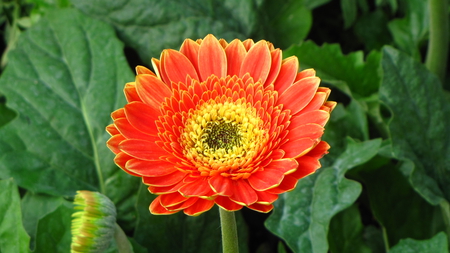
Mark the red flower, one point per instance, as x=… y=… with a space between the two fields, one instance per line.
x=221 y=123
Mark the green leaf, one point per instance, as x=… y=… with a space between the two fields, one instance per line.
x=122 y=189
x=149 y=26
x=13 y=237
x=420 y=122
x=191 y=234
x=350 y=73
x=349 y=12
x=302 y=217
x=372 y=30
x=374 y=239
x=410 y=31
x=283 y=17
x=346 y=232
x=34 y=208
x=6 y=115
x=53 y=232
x=436 y=244
x=312 y=4
x=63 y=80
x=348 y=121
x=395 y=205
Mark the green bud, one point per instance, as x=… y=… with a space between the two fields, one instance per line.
x=93 y=222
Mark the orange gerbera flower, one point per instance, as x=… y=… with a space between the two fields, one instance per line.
x=221 y=123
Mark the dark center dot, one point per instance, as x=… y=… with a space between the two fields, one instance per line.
x=220 y=134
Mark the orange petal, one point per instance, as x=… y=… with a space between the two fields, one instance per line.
x=248 y=43
x=221 y=185
x=189 y=202
x=131 y=93
x=319 y=150
x=112 y=130
x=200 y=206
x=317 y=116
x=243 y=193
x=212 y=58
x=286 y=77
x=266 y=198
x=177 y=66
x=130 y=132
x=143 y=70
x=288 y=184
x=275 y=68
x=141 y=149
x=307 y=166
x=113 y=143
x=157 y=209
x=165 y=189
x=316 y=103
x=197 y=188
x=159 y=71
x=272 y=175
x=227 y=204
x=167 y=180
x=257 y=62
x=305 y=73
x=117 y=114
x=121 y=159
x=310 y=130
x=172 y=199
x=151 y=89
x=298 y=147
x=150 y=168
x=190 y=49
x=261 y=208
x=142 y=117
x=297 y=96
x=235 y=52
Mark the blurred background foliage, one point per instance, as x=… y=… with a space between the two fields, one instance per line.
x=384 y=187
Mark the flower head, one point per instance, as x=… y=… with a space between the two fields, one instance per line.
x=93 y=224
x=231 y=124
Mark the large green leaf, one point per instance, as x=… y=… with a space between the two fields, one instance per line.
x=53 y=231
x=348 y=121
x=6 y=115
x=13 y=237
x=149 y=26
x=122 y=189
x=436 y=244
x=302 y=217
x=395 y=205
x=410 y=31
x=283 y=17
x=346 y=232
x=420 y=123
x=35 y=207
x=350 y=73
x=64 y=79
x=179 y=232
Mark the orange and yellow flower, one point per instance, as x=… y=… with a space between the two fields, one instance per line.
x=231 y=124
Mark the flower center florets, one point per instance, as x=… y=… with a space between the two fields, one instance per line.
x=222 y=136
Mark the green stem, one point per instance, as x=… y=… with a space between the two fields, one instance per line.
x=445 y=209
x=385 y=239
x=437 y=55
x=123 y=245
x=229 y=232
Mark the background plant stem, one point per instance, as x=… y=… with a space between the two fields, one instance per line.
x=445 y=208
x=229 y=232
x=123 y=245
x=437 y=55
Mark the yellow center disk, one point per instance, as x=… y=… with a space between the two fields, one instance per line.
x=223 y=137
